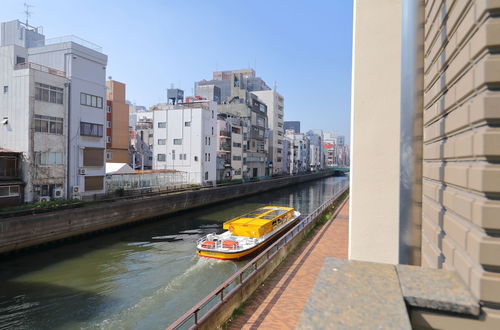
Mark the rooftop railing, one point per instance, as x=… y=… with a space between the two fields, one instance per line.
x=69 y=38
x=39 y=67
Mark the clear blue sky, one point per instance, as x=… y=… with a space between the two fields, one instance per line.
x=305 y=46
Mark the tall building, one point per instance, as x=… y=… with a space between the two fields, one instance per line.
x=295 y=125
x=431 y=190
x=299 y=148
x=237 y=100
x=185 y=140
x=54 y=92
x=275 y=123
x=316 y=154
x=117 y=125
x=229 y=147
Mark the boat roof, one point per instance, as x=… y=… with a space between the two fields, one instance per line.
x=261 y=216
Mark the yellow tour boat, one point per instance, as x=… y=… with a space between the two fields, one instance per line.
x=248 y=233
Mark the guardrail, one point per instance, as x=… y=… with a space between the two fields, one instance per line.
x=208 y=305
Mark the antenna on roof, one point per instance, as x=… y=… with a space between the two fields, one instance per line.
x=27 y=11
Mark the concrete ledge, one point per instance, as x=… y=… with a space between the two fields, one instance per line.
x=436 y=289
x=354 y=295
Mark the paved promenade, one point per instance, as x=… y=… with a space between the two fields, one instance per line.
x=278 y=303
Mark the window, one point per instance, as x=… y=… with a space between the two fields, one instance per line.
x=177 y=141
x=237 y=145
x=9 y=191
x=212 y=131
x=93 y=156
x=109 y=109
x=46 y=124
x=173 y=154
x=108 y=139
x=161 y=157
x=108 y=124
x=187 y=123
x=162 y=142
x=8 y=166
x=47 y=93
x=195 y=158
x=162 y=124
x=208 y=140
x=49 y=158
x=212 y=116
x=91 y=100
x=5 y=89
x=208 y=157
x=94 y=183
x=262 y=107
x=206 y=175
x=260 y=121
x=236 y=157
x=89 y=129
x=182 y=156
x=108 y=155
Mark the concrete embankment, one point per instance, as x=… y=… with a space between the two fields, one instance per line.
x=31 y=230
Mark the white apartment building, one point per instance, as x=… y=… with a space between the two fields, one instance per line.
x=80 y=68
x=298 y=157
x=275 y=114
x=185 y=139
x=33 y=110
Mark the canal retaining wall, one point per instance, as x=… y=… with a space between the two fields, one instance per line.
x=31 y=230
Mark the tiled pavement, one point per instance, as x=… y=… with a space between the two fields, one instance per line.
x=278 y=303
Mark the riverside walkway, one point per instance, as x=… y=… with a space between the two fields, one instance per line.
x=279 y=302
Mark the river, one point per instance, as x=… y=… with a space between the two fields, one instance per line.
x=141 y=277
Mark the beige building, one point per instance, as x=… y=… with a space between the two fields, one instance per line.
x=117 y=123
x=275 y=112
x=430 y=196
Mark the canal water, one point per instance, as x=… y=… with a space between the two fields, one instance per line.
x=142 y=277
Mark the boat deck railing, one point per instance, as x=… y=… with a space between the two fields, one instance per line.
x=208 y=305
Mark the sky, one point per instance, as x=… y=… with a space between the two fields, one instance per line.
x=303 y=46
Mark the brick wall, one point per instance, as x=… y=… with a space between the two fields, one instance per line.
x=461 y=172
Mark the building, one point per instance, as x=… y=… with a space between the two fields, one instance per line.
x=229 y=147
x=295 y=125
x=430 y=190
x=209 y=92
x=68 y=74
x=34 y=113
x=298 y=158
x=11 y=182
x=275 y=123
x=117 y=125
x=230 y=84
x=141 y=149
x=238 y=101
x=316 y=153
x=185 y=140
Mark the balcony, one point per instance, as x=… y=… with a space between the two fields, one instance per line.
x=39 y=67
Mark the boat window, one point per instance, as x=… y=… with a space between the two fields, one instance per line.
x=267 y=217
x=277 y=212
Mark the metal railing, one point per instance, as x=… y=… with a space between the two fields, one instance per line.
x=68 y=38
x=191 y=319
x=39 y=67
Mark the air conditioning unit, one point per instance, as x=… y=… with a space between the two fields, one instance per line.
x=44 y=198
x=82 y=171
x=58 y=193
x=76 y=189
x=77 y=197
